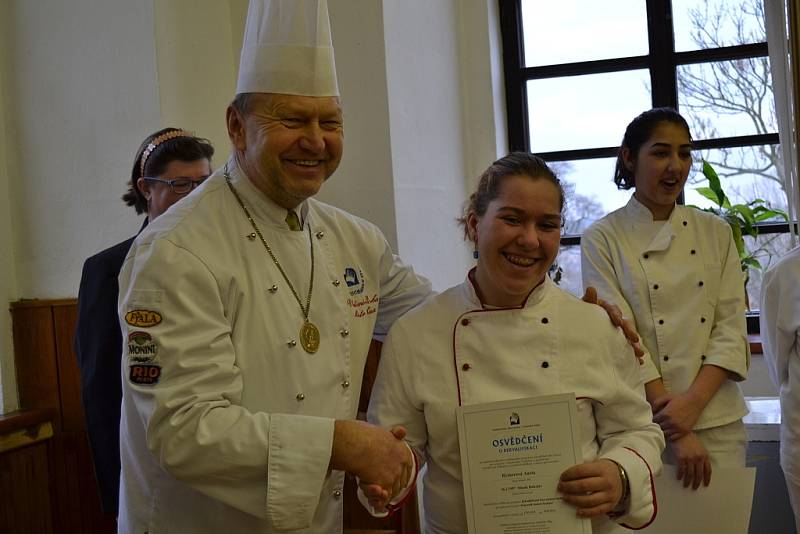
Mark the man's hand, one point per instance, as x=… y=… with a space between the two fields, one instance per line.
x=376 y=456
x=693 y=463
x=615 y=314
x=675 y=414
x=595 y=488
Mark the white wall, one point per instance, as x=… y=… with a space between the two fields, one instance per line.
x=423 y=76
x=197 y=65
x=83 y=95
x=363 y=184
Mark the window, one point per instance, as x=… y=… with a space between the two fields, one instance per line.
x=577 y=72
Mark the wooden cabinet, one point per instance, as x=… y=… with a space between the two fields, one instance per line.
x=48 y=379
x=24 y=474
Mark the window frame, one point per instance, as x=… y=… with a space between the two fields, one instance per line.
x=662 y=62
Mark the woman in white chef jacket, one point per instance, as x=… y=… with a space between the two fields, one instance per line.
x=509 y=332
x=675 y=270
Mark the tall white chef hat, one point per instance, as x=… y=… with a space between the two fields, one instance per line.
x=287 y=49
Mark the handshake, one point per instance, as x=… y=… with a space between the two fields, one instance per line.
x=380 y=459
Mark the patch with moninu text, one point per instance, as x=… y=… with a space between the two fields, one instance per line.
x=142 y=348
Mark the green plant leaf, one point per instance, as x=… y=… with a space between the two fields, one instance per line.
x=713 y=182
x=751 y=262
x=738 y=240
x=746 y=213
x=709 y=194
x=765 y=214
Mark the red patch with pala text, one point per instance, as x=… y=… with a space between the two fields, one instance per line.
x=144 y=375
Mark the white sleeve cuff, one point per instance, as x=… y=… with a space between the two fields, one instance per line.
x=398 y=501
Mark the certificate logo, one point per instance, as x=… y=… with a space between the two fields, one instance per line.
x=513 y=419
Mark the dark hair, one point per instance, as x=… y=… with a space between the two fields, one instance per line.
x=490 y=182
x=638 y=131
x=182 y=147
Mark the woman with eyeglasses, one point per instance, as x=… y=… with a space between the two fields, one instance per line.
x=169 y=164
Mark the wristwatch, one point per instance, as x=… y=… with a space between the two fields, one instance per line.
x=624 y=500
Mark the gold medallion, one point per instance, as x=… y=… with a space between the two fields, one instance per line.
x=309 y=337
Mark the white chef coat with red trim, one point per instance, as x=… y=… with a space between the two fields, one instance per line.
x=451 y=351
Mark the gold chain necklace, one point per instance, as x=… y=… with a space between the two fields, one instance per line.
x=309 y=333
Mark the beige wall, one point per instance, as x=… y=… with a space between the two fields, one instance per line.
x=8 y=279
x=196 y=65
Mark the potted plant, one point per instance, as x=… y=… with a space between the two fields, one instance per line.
x=742 y=218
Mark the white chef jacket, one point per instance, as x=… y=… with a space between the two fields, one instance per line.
x=681 y=282
x=452 y=352
x=780 y=330
x=235 y=433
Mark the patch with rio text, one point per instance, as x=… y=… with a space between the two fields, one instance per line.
x=144 y=374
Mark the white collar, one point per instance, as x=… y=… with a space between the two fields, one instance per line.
x=260 y=204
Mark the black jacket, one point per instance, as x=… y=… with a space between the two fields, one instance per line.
x=98 y=346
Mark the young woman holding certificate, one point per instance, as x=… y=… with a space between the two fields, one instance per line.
x=509 y=332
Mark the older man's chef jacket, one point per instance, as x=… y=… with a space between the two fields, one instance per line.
x=452 y=352
x=780 y=333
x=227 y=422
x=682 y=283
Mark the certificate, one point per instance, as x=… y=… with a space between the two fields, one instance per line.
x=512 y=455
x=722 y=507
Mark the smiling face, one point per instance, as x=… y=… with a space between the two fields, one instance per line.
x=288 y=145
x=517 y=239
x=660 y=168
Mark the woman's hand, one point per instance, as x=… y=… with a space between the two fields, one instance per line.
x=595 y=488
x=676 y=414
x=378 y=497
x=615 y=314
x=694 y=465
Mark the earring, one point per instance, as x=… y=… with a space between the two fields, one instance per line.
x=475 y=252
